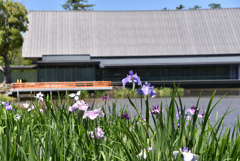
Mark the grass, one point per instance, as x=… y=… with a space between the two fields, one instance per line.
x=61 y=135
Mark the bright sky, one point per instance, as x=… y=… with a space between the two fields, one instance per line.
x=129 y=4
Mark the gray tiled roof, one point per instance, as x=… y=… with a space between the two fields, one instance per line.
x=133 y=33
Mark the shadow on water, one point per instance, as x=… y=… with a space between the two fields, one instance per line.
x=209 y=92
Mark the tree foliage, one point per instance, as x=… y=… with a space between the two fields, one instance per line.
x=15 y=58
x=214 y=6
x=195 y=7
x=81 y=5
x=180 y=7
x=13 y=22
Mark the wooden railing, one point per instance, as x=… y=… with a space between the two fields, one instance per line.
x=35 y=85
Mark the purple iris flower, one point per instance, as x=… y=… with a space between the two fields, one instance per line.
x=26 y=105
x=155 y=110
x=75 y=95
x=185 y=149
x=178 y=125
x=124 y=114
x=149 y=148
x=146 y=90
x=8 y=106
x=31 y=108
x=93 y=114
x=187 y=117
x=70 y=109
x=197 y=111
x=41 y=110
x=80 y=105
x=98 y=133
x=192 y=109
x=39 y=96
x=40 y=151
x=139 y=91
x=187 y=155
x=178 y=114
x=202 y=115
x=131 y=78
x=105 y=97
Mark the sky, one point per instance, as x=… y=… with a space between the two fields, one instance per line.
x=106 y=5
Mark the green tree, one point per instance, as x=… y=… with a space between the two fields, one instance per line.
x=214 y=6
x=77 y=5
x=180 y=7
x=13 y=22
x=15 y=58
x=195 y=7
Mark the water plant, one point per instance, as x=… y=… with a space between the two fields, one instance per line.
x=72 y=130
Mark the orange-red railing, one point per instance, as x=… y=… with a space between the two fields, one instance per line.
x=60 y=84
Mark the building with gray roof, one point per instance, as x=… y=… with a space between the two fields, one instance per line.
x=158 y=45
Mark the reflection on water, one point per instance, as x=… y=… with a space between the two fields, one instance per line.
x=209 y=92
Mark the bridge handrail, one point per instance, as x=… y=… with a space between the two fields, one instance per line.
x=30 y=85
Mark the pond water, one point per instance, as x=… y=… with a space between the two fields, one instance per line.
x=232 y=100
x=228 y=101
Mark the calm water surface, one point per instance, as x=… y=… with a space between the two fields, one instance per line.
x=228 y=101
x=232 y=100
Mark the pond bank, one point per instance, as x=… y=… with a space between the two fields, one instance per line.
x=121 y=92
x=117 y=92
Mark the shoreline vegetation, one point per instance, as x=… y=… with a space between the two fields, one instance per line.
x=121 y=92
x=7 y=98
x=117 y=92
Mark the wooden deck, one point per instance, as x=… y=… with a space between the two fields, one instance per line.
x=60 y=86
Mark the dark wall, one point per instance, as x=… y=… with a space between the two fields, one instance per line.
x=171 y=73
x=65 y=73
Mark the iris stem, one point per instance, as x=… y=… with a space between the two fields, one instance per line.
x=141 y=102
